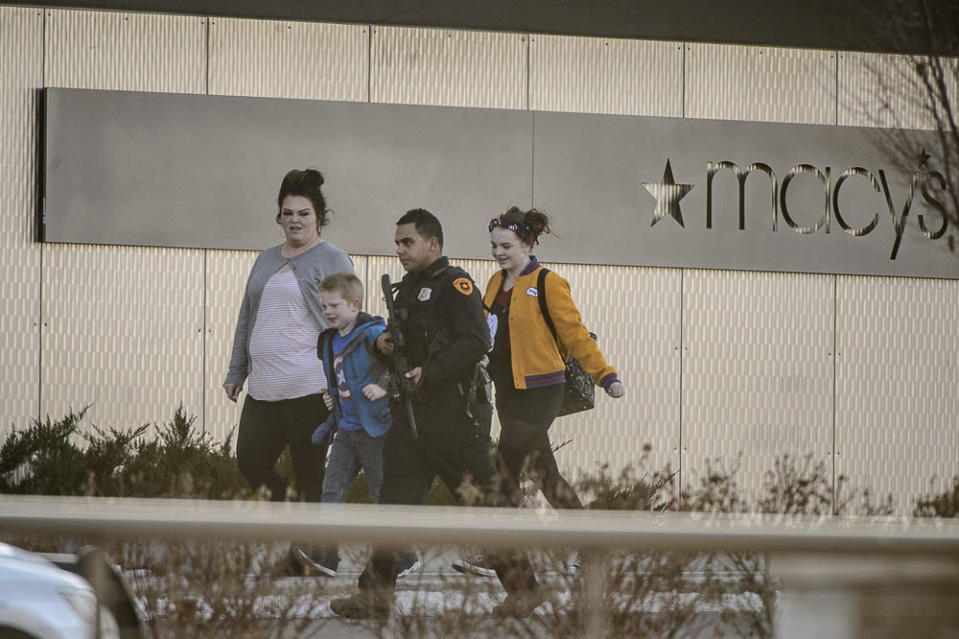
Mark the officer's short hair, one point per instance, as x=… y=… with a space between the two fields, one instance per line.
x=344 y=283
x=424 y=222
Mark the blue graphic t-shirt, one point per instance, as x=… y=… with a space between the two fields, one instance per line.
x=349 y=418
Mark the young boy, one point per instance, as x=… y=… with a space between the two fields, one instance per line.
x=360 y=412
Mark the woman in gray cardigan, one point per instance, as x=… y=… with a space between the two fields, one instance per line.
x=274 y=346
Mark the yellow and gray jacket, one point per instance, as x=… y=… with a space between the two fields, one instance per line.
x=537 y=360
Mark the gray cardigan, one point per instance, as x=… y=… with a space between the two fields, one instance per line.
x=309 y=267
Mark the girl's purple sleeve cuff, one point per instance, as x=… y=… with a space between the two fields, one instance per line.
x=608 y=381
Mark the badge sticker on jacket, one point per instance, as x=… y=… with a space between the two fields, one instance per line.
x=424 y=294
x=492 y=322
x=532 y=291
x=463 y=285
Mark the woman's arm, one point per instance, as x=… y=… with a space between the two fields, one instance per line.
x=237 y=372
x=239 y=362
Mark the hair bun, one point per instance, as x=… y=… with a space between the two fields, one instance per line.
x=315 y=176
x=537 y=221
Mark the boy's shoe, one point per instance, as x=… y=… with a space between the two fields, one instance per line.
x=474 y=565
x=366 y=604
x=310 y=561
x=520 y=604
x=409 y=562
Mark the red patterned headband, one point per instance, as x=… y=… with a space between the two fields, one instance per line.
x=524 y=232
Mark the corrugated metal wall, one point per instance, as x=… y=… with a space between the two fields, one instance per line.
x=21 y=72
x=857 y=371
x=122 y=327
x=605 y=75
x=302 y=60
x=448 y=68
x=757 y=368
x=727 y=82
x=897 y=371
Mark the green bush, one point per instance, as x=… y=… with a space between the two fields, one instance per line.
x=52 y=458
x=43 y=459
x=174 y=459
x=182 y=462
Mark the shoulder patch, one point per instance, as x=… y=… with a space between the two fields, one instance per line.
x=463 y=285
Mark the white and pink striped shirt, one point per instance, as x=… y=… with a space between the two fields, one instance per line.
x=283 y=344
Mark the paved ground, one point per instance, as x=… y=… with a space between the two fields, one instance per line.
x=438 y=601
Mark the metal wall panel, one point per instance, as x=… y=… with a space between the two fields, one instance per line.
x=883 y=90
x=635 y=312
x=123 y=327
x=228 y=154
x=21 y=70
x=727 y=82
x=125 y=51
x=605 y=75
x=226 y=274
x=757 y=370
x=896 y=375
x=266 y=58
x=448 y=67
x=123 y=331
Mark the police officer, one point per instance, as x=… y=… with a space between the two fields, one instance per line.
x=442 y=321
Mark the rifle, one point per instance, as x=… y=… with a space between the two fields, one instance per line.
x=401 y=386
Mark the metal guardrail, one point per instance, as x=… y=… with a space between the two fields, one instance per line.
x=490 y=527
x=594 y=533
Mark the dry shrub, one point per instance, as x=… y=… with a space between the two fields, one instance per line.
x=219 y=589
x=944 y=504
x=241 y=590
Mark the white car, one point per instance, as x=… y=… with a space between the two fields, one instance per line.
x=38 y=600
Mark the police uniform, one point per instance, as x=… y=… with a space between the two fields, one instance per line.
x=446 y=334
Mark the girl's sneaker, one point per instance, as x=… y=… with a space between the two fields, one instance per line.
x=316 y=562
x=409 y=562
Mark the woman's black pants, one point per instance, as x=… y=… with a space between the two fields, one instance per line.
x=266 y=428
x=525 y=417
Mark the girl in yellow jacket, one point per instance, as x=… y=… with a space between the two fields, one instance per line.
x=528 y=366
x=526 y=362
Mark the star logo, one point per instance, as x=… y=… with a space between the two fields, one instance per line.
x=668 y=194
x=463 y=285
x=924 y=158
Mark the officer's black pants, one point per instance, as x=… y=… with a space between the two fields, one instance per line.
x=452 y=446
